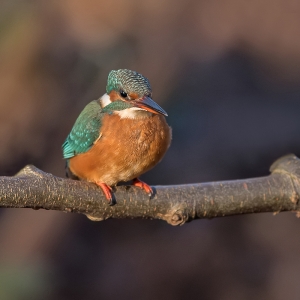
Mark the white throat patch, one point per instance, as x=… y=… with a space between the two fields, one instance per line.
x=133 y=113
x=129 y=113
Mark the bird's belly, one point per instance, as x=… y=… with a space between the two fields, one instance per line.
x=127 y=148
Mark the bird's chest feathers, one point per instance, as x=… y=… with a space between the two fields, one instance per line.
x=132 y=132
x=125 y=149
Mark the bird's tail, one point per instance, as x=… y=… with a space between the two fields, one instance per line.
x=69 y=174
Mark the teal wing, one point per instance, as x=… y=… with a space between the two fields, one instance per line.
x=84 y=132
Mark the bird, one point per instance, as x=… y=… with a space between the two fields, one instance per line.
x=119 y=136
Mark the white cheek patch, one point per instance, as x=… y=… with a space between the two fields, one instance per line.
x=105 y=100
x=129 y=113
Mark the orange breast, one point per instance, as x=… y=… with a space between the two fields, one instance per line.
x=126 y=149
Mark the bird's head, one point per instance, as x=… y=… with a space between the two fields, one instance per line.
x=134 y=90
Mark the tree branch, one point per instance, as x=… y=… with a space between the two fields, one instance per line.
x=177 y=204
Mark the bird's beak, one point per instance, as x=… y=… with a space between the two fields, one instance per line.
x=148 y=104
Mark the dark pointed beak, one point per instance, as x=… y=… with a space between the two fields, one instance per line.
x=148 y=104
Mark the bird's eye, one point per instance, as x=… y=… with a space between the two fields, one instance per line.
x=123 y=94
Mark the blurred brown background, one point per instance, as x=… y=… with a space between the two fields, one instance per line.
x=228 y=74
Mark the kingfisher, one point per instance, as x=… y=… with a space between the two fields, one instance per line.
x=118 y=137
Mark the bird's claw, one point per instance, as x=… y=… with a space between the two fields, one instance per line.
x=107 y=190
x=143 y=185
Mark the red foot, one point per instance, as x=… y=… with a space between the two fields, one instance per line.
x=106 y=190
x=143 y=185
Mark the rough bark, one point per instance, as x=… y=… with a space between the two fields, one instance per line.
x=176 y=204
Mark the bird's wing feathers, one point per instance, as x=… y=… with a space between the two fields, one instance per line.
x=84 y=132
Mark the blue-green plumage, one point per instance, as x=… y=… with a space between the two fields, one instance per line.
x=87 y=127
x=129 y=81
x=84 y=132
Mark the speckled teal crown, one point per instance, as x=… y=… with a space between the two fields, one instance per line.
x=128 y=81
